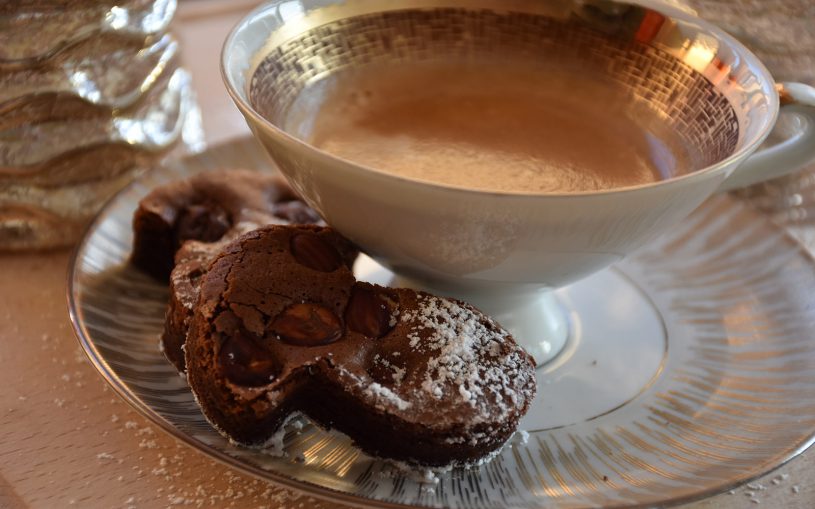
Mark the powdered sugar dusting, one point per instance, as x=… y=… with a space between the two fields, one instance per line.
x=383 y=394
x=471 y=362
x=394 y=318
x=398 y=373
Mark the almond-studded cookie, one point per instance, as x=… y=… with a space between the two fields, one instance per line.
x=282 y=326
x=209 y=207
x=180 y=227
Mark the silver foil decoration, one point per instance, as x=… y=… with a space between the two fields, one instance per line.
x=91 y=94
x=32 y=32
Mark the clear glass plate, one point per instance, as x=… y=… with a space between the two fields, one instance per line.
x=690 y=370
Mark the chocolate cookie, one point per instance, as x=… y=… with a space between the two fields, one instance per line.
x=179 y=228
x=208 y=207
x=283 y=326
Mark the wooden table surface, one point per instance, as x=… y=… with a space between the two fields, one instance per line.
x=67 y=441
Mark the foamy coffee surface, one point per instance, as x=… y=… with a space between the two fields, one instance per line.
x=501 y=126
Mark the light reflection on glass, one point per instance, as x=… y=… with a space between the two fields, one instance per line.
x=701 y=52
x=117 y=18
x=156 y=19
x=84 y=86
x=291 y=11
x=160 y=125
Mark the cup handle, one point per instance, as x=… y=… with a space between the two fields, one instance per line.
x=789 y=155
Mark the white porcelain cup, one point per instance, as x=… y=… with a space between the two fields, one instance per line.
x=504 y=251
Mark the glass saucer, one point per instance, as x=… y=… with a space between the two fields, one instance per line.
x=690 y=370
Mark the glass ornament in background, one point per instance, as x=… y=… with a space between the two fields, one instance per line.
x=91 y=94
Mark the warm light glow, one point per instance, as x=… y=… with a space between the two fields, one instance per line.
x=701 y=52
x=291 y=11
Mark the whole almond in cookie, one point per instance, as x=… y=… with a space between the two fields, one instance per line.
x=244 y=361
x=307 y=324
x=369 y=312
x=310 y=250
